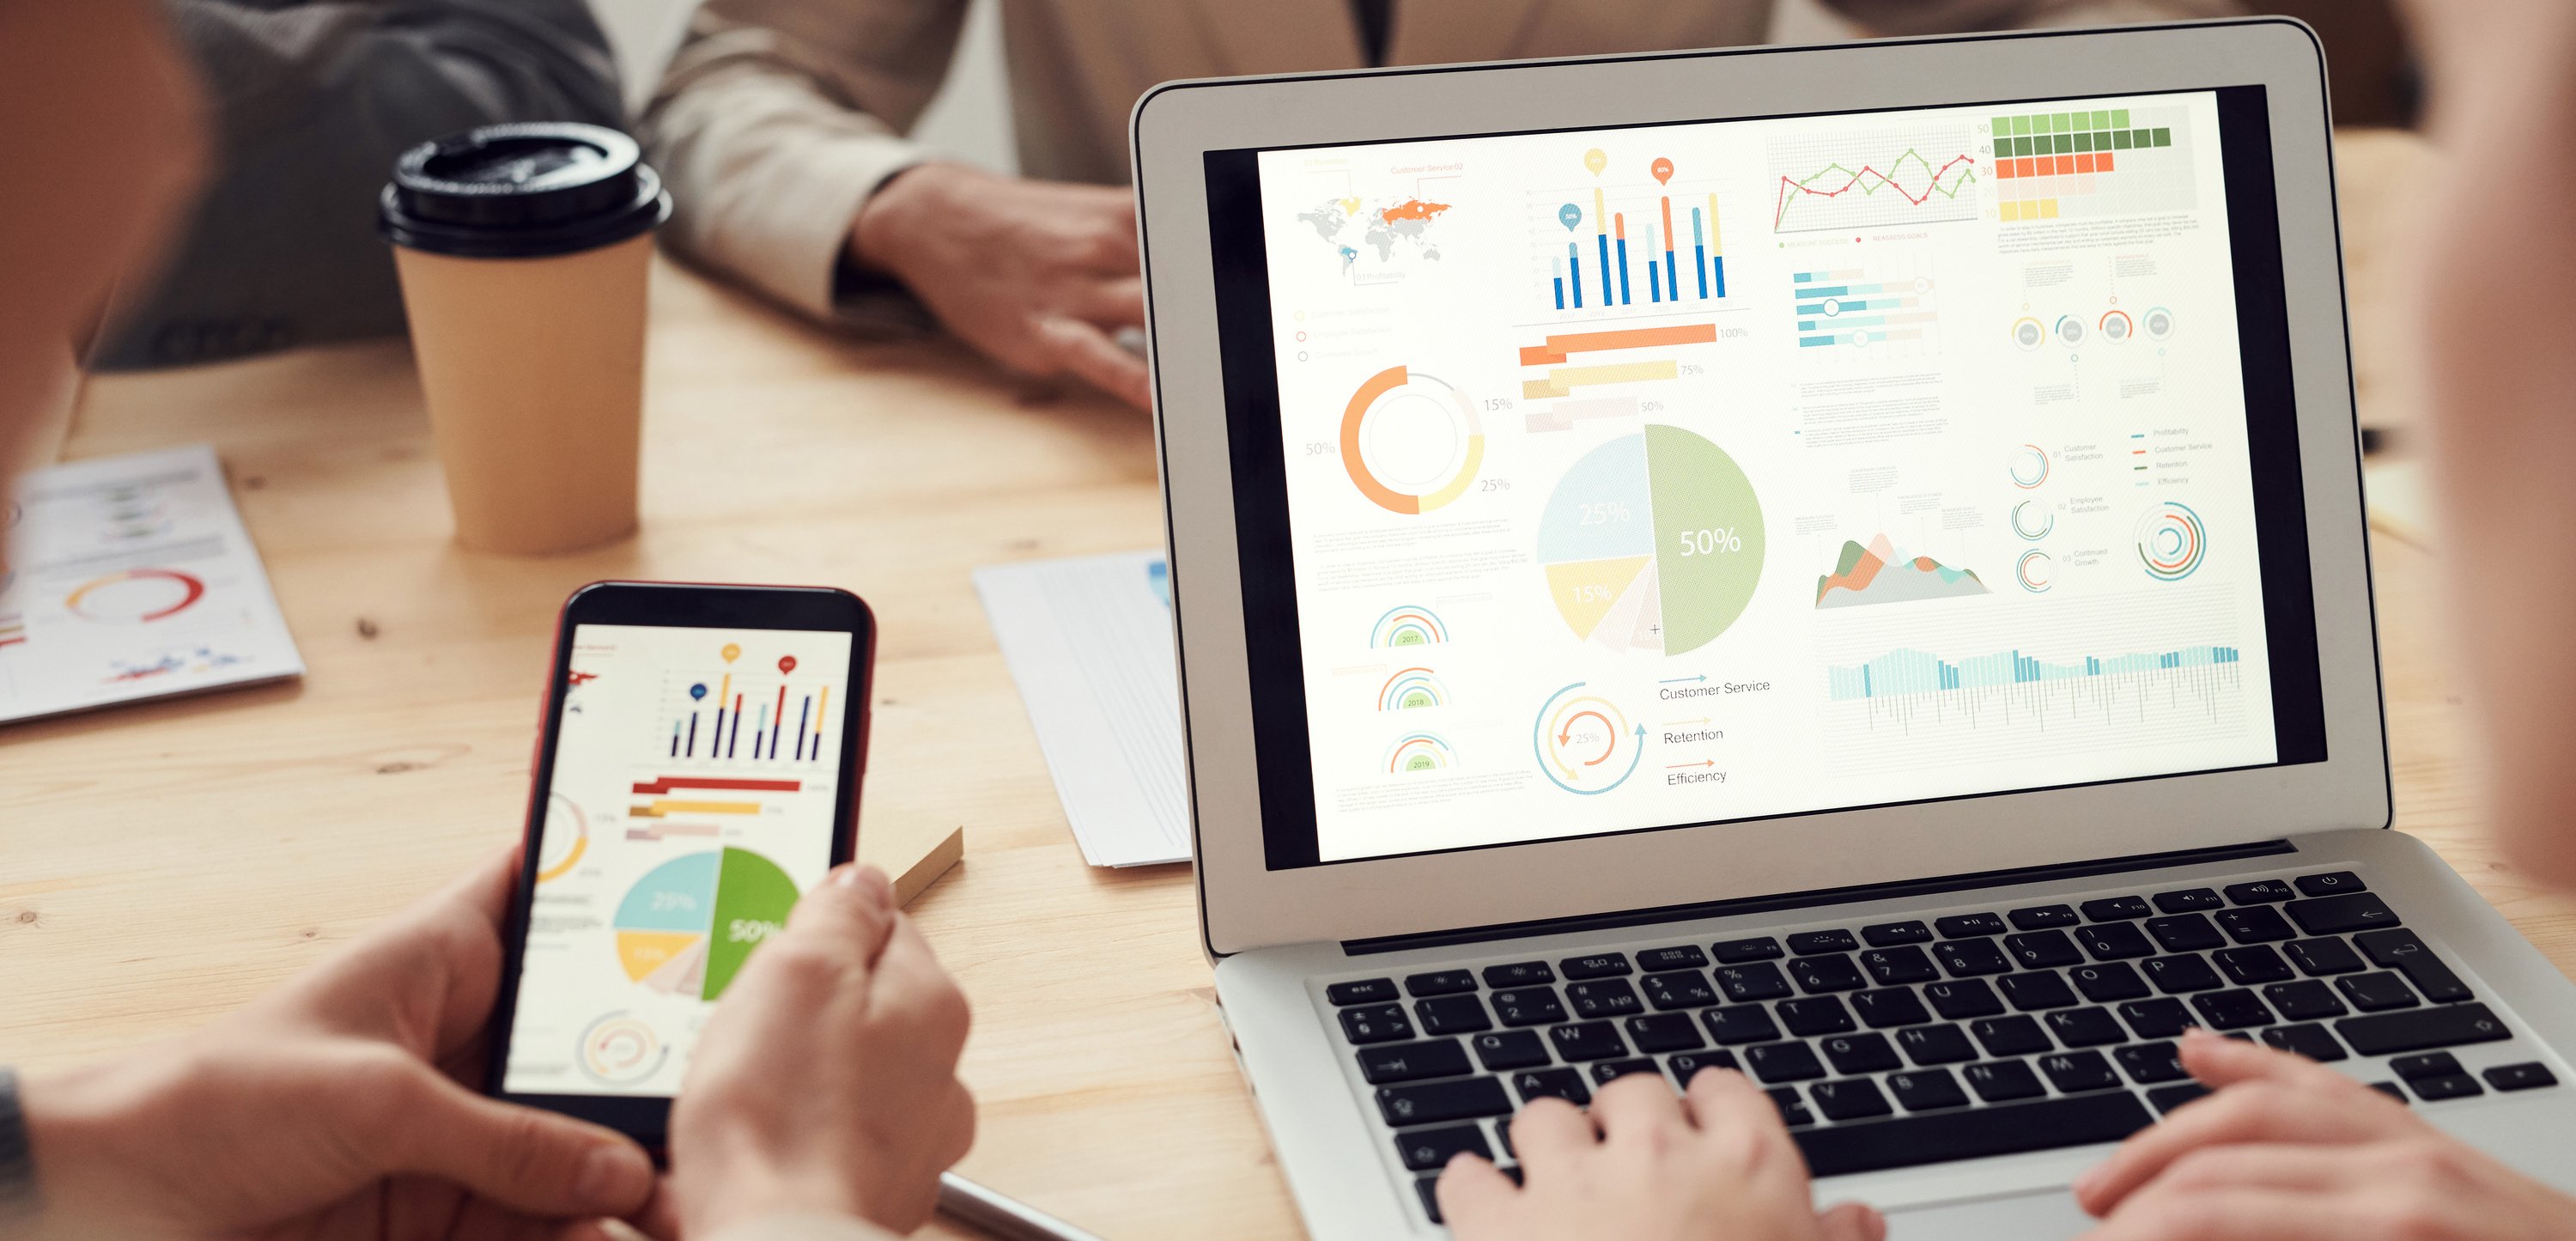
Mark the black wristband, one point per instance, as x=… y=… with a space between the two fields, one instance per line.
x=17 y=1162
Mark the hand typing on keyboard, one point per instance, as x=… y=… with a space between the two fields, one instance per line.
x=1643 y=1165
x=2289 y=1149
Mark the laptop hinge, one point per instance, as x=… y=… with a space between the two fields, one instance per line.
x=1809 y=899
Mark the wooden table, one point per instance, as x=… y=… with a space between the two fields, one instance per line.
x=160 y=865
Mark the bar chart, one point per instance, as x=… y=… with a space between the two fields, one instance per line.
x=1560 y=376
x=749 y=718
x=1626 y=242
x=1858 y=307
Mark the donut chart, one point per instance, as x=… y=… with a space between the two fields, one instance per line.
x=1585 y=743
x=2171 y=542
x=1412 y=443
x=136 y=595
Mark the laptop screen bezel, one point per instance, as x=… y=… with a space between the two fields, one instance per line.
x=1250 y=899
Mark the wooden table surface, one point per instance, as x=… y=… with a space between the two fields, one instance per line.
x=161 y=864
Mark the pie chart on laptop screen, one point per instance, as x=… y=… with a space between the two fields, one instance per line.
x=688 y=925
x=1652 y=542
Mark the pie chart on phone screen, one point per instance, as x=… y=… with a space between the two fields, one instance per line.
x=688 y=925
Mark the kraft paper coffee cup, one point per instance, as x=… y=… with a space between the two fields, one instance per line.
x=524 y=251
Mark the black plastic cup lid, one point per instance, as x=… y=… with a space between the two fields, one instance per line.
x=521 y=191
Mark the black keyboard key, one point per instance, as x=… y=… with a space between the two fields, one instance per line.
x=1859 y=1053
x=1927 y=1090
x=2033 y=992
x=2231 y=1010
x=2116 y=909
x=1739 y=1024
x=1684 y=957
x=1590 y=1040
x=2084 y=1027
x=1510 y=1049
x=1747 y=983
x=2429 y=1064
x=1613 y=998
x=1520 y=974
x=2392 y=1090
x=2256 y=924
x=1664 y=1032
x=1968 y=926
x=1597 y=965
x=1687 y=1065
x=1822 y=1014
x=2455 y=1086
x=1967 y=958
x=2148 y=1064
x=1936 y=1045
x=1809 y=943
x=2108 y=982
x=2181 y=975
x=1428 y=1150
x=2341 y=915
x=2309 y=1040
x=2188 y=900
x=2114 y=941
x=1452 y=1014
x=1365 y=991
x=1782 y=1062
x=1817 y=975
x=2332 y=883
x=1889 y=934
x=2167 y=1098
x=2043 y=917
x=2009 y=1036
x=1896 y=966
x=1856 y=1099
x=2379 y=992
x=2316 y=957
x=1793 y=1110
x=2248 y=966
x=1889 y=1008
x=2003 y=1081
x=2530 y=1076
x=2402 y=951
x=1443 y=982
x=1566 y=1084
x=2259 y=892
x=2185 y=933
x=1739 y=951
x=1387 y=1063
x=1609 y=1071
x=1378 y=1023
x=1968 y=997
x=1972 y=1133
x=2157 y=1018
x=1678 y=989
x=1528 y=1006
x=2304 y=1000
x=1431 y=1103
x=2043 y=950
x=2073 y=1072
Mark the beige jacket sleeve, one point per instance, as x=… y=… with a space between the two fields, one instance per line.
x=1919 y=17
x=778 y=119
x=801 y=1226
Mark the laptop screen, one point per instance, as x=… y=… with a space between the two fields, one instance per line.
x=1703 y=473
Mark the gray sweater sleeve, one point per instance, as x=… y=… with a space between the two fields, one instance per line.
x=310 y=104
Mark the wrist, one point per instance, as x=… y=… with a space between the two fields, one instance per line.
x=882 y=234
x=87 y=1132
x=753 y=1188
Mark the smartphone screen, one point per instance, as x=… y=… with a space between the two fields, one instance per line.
x=693 y=789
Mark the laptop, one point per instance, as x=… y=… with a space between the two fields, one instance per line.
x=1846 y=563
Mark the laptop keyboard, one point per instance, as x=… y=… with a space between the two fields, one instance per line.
x=1903 y=1043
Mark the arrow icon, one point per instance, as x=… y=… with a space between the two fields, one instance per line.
x=1677 y=766
x=1682 y=680
x=1678 y=723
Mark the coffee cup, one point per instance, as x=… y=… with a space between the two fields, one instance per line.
x=524 y=252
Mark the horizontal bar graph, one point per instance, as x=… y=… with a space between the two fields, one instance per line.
x=664 y=806
x=1563 y=380
x=1849 y=308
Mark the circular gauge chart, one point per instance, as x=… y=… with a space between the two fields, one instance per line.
x=618 y=1049
x=1408 y=626
x=2035 y=571
x=1412 y=689
x=2171 y=542
x=1420 y=752
x=2116 y=327
x=1411 y=442
x=136 y=595
x=2032 y=520
x=1652 y=542
x=566 y=838
x=688 y=925
x=1585 y=743
x=2160 y=324
x=2029 y=466
x=2070 y=331
x=2029 y=333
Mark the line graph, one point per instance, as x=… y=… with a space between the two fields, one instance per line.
x=1861 y=180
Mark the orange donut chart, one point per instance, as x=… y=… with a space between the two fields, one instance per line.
x=191 y=586
x=1367 y=398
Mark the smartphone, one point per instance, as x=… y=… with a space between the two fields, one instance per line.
x=698 y=768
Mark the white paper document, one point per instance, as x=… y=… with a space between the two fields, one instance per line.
x=132 y=578
x=1089 y=640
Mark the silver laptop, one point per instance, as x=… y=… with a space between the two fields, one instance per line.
x=1846 y=563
